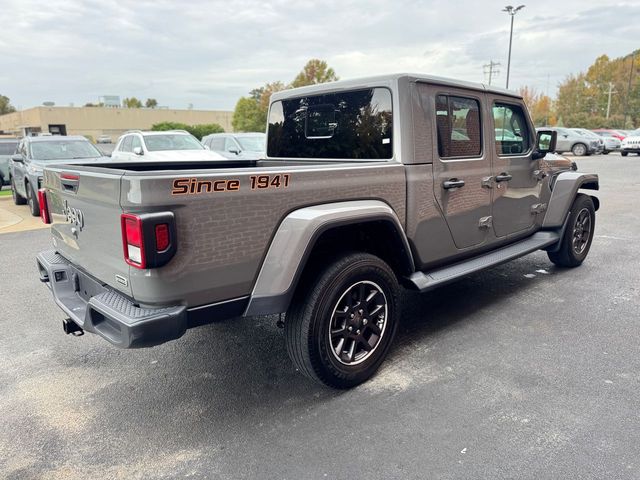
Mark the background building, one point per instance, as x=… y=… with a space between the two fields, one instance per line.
x=95 y=121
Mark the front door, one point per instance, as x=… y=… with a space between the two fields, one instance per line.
x=462 y=164
x=516 y=177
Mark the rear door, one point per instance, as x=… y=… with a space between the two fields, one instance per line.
x=461 y=164
x=516 y=179
x=84 y=203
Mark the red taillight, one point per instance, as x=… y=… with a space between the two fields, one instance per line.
x=162 y=237
x=69 y=176
x=133 y=240
x=44 y=206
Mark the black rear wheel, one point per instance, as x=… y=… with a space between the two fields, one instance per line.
x=577 y=238
x=17 y=198
x=343 y=320
x=32 y=200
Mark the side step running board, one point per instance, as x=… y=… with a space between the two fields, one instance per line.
x=424 y=281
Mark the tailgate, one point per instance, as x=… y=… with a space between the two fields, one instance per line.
x=84 y=203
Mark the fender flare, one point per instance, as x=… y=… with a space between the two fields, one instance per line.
x=294 y=240
x=564 y=191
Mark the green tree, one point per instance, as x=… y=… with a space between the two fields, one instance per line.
x=5 y=105
x=250 y=114
x=583 y=99
x=151 y=103
x=197 y=131
x=248 y=117
x=164 y=126
x=132 y=102
x=202 y=130
x=315 y=71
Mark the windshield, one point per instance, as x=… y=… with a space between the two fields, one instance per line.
x=8 y=148
x=157 y=143
x=253 y=144
x=63 y=150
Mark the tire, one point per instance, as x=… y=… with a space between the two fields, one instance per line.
x=32 y=200
x=579 y=150
x=331 y=300
x=577 y=238
x=17 y=198
x=606 y=152
x=624 y=154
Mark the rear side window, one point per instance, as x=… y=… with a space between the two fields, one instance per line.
x=458 y=125
x=344 y=125
x=512 y=132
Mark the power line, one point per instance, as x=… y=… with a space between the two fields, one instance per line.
x=489 y=69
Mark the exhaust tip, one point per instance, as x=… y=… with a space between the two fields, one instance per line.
x=72 y=328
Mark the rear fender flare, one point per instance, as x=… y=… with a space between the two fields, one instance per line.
x=565 y=189
x=294 y=240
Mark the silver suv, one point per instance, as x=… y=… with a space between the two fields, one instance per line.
x=570 y=141
x=237 y=146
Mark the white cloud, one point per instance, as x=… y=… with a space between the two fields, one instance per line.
x=209 y=53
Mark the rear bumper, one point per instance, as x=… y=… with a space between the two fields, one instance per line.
x=98 y=309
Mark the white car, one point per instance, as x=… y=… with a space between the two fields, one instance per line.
x=157 y=146
x=631 y=144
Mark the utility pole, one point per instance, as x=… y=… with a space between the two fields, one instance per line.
x=626 y=101
x=489 y=69
x=511 y=11
x=609 y=100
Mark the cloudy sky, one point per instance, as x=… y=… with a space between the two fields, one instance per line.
x=209 y=53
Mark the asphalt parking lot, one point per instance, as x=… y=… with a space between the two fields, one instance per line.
x=522 y=371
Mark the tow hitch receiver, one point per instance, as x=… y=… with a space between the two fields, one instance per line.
x=71 y=327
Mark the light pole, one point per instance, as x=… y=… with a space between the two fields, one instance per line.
x=512 y=12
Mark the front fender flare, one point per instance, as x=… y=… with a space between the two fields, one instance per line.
x=293 y=242
x=564 y=191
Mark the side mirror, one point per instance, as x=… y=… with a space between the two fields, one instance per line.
x=234 y=150
x=17 y=158
x=138 y=150
x=206 y=147
x=545 y=143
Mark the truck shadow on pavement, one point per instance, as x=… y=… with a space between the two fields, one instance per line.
x=239 y=371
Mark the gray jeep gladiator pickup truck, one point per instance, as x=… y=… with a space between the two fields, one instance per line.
x=366 y=186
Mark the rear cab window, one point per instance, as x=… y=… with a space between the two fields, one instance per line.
x=351 y=125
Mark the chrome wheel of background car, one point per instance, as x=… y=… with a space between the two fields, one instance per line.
x=581 y=231
x=579 y=150
x=358 y=322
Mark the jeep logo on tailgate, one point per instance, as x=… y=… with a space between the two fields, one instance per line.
x=74 y=215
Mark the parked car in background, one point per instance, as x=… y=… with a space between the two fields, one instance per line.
x=570 y=141
x=631 y=144
x=104 y=139
x=33 y=153
x=611 y=144
x=594 y=136
x=7 y=149
x=609 y=132
x=160 y=146
x=237 y=146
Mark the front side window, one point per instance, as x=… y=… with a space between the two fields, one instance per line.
x=345 y=125
x=125 y=146
x=171 y=141
x=135 y=142
x=458 y=125
x=512 y=132
x=63 y=150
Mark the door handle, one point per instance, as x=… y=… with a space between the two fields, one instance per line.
x=504 y=177
x=452 y=183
